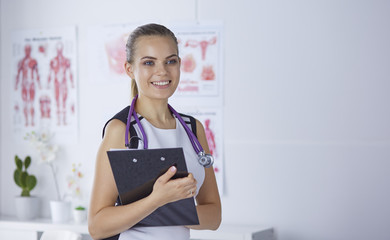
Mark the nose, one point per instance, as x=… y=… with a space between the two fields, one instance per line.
x=161 y=69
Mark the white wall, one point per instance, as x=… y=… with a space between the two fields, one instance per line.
x=1 y=100
x=308 y=79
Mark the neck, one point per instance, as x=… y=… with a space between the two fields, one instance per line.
x=154 y=110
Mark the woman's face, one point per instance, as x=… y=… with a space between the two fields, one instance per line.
x=156 y=66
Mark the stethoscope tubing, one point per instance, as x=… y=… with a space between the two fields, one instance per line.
x=193 y=139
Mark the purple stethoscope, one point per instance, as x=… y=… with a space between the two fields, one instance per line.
x=204 y=159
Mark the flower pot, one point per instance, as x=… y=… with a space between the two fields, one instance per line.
x=60 y=211
x=27 y=208
x=79 y=216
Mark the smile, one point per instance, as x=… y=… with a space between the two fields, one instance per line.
x=161 y=83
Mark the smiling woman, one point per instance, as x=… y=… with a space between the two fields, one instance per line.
x=153 y=64
x=156 y=66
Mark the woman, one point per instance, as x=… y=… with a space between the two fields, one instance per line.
x=153 y=65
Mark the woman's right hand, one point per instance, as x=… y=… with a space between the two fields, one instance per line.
x=166 y=190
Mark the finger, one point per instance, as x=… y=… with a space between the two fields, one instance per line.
x=191 y=177
x=168 y=175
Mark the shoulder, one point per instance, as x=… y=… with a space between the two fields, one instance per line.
x=199 y=128
x=122 y=115
x=117 y=119
x=114 y=127
x=114 y=134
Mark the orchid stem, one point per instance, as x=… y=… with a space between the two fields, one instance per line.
x=55 y=182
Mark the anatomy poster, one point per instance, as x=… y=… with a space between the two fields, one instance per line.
x=201 y=60
x=44 y=77
x=107 y=52
x=211 y=118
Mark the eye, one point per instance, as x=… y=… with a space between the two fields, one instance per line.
x=172 y=61
x=149 y=63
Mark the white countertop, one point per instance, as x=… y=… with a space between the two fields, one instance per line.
x=40 y=225
x=225 y=231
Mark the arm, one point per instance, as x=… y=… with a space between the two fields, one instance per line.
x=104 y=218
x=208 y=200
x=20 y=66
x=51 y=71
x=68 y=69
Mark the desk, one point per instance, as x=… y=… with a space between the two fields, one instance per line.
x=14 y=229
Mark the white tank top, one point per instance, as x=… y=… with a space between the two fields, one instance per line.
x=167 y=138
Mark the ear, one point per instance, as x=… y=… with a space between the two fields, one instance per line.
x=129 y=70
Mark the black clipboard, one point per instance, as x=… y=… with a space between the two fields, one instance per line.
x=136 y=170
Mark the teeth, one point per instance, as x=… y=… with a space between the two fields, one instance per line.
x=161 y=83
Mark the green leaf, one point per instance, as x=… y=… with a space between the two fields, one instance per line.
x=27 y=162
x=23 y=177
x=31 y=182
x=18 y=162
x=17 y=177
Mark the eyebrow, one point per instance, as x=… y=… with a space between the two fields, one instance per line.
x=149 y=57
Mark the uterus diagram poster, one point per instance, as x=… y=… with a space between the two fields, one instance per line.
x=44 y=82
x=200 y=49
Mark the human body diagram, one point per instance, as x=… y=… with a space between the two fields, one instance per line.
x=27 y=74
x=61 y=72
x=34 y=104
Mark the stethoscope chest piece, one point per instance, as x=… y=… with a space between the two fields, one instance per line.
x=206 y=160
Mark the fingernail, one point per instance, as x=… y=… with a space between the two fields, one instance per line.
x=173 y=169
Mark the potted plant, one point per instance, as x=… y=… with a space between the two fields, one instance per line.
x=27 y=206
x=42 y=141
x=79 y=214
x=75 y=192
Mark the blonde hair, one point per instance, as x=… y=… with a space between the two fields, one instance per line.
x=134 y=88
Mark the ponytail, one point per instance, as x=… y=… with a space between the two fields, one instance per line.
x=134 y=89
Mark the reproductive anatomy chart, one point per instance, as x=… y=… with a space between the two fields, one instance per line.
x=44 y=82
x=201 y=60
